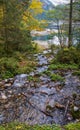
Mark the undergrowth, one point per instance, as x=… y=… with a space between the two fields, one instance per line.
x=63 y=66
x=23 y=126
x=17 y=64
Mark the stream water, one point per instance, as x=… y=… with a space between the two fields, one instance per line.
x=39 y=102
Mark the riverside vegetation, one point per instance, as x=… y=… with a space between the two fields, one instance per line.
x=55 y=73
x=20 y=126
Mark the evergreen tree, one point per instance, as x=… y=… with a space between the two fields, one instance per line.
x=11 y=31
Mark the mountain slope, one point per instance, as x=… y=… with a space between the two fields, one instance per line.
x=47 y=4
x=57 y=2
x=50 y=4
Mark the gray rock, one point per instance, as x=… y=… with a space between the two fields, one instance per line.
x=1 y=84
x=3 y=96
x=52 y=103
x=48 y=91
x=1 y=118
x=32 y=74
x=20 y=80
x=76 y=108
x=8 y=85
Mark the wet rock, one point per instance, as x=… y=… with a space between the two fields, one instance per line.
x=77 y=102
x=76 y=108
x=35 y=55
x=7 y=105
x=41 y=69
x=20 y=80
x=11 y=80
x=1 y=84
x=42 y=60
x=1 y=118
x=7 y=85
x=46 y=51
x=51 y=103
x=48 y=91
x=32 y=74
x=16 y=84
x=10 y=91
x=3 y=96
x=44 y=79
x=6 y=80
x=32 y=84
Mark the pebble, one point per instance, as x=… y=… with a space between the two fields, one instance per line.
x=8 y=85
x=3 y=96
x=52 y=103
x=76 y=108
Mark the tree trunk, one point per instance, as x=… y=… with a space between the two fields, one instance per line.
x=70 y=24
x=5 y=25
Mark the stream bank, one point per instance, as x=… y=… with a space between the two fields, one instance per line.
x=35 y=99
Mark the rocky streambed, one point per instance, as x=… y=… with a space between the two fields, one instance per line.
x=35 y=99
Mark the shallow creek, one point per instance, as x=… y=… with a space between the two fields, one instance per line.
x=42 y=101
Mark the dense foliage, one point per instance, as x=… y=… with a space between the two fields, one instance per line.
x=69 y=56
x=17 y=19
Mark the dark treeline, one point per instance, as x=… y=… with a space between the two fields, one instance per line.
x=12 y=34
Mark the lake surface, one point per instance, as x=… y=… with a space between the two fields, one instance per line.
x=50 y=35
x=45 y=37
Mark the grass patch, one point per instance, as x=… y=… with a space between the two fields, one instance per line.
x=56 y=77
x=53 y=76
x=47 y=72
x=63 y=66
x=76 y=73
x=73 y=126
x=22 y=126
x=33 y=78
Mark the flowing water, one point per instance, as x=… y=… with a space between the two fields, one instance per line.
x=39 y=102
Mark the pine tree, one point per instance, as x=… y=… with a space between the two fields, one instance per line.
x=11 y=33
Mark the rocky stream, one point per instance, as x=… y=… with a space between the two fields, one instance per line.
x=40 y=101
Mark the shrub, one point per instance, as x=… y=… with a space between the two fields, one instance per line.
x=68 y=55
x=8 y=67
x=7 y=74
x=12 y=66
